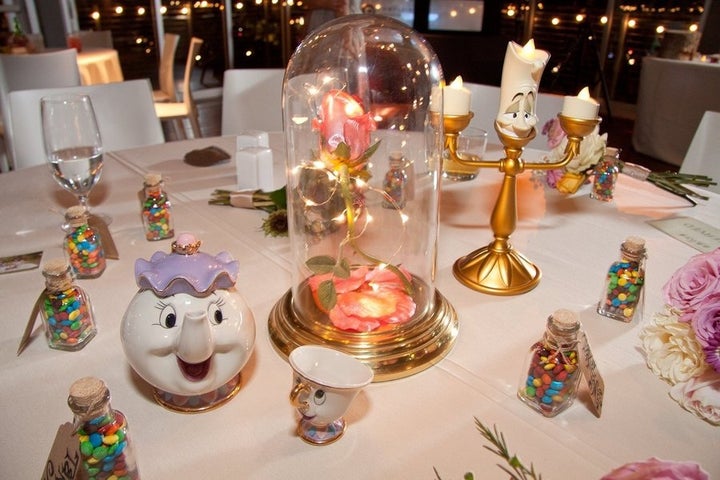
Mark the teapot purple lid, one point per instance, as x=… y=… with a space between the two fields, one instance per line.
x=186 y=270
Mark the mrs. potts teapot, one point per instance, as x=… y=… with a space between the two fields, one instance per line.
x=188 y=332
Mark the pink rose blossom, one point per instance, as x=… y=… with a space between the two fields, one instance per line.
x=553 y=176
x=692 y=283
x=656 y=469
x=344 y=120
x=700 y=395
x=368 y=299
x=706 y=324
x=554 y=133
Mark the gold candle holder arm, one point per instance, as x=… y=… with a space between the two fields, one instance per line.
x=575 y=130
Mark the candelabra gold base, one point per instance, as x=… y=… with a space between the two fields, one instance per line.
x=498 y=270
x=395 y=352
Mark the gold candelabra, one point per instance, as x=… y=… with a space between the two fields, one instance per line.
x=497 y=268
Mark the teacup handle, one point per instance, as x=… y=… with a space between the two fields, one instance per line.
x=295 y=393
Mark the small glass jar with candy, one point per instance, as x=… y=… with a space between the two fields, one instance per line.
x=83 y=245
x=106 y=449
x=156 y=209
x=622 y=297
x=551 y=373
x=65 y=308
x=395 y=183
x=605 y=175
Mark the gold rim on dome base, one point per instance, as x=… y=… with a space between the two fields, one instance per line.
x=393 y=353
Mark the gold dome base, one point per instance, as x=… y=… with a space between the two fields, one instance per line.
x=392 y=352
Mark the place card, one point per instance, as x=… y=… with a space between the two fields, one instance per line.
x=64 y=462
x=691 y=231
x=20 y=263
x=594 y=380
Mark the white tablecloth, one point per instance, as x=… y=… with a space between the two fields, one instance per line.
x=672 y=98
x=399 y=429
x=99 y=65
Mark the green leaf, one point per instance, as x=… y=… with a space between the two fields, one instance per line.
x=279 y=198
x=327 y=294
x=342 y=151
x=321 y=264
x=342 y=269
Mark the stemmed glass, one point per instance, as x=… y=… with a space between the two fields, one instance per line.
x=72 y=143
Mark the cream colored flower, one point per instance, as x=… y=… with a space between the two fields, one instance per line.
x=672 y=353
x=701 y=396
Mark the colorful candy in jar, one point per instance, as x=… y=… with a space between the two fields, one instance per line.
x=66 y=309
x=156 y=209
x=551 y=374
x=83 y=245
x=105 y=446
x=621 y=296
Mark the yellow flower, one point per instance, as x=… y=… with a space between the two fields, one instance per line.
x=570 y=182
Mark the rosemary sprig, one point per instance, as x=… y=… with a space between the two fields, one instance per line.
x=517 y=470
x=672 y=182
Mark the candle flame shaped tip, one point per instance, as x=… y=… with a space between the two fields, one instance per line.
x=584 y=93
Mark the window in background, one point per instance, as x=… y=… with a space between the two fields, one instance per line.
x=402 y=10
x=456 y=15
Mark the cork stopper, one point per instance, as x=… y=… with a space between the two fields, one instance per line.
x=634 y=244
x=564 y=320
x=57 y=274
x=88 y=395
x=152 y=179
x=76 y=215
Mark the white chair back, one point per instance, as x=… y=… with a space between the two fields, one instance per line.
x=39 y=70
x=124 y=111
x=252 y=100
x=703 y=154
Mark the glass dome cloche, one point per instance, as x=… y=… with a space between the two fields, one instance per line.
x=363 y=183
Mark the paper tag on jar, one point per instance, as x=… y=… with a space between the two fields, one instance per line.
x=589 y=369
x=64 y=462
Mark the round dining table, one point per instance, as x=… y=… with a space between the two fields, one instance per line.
x=99 y=65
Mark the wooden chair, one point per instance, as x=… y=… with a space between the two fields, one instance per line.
x=185 y=110
x=25 y=72
x=166 y=74
x=252 y=100
x=124 y=112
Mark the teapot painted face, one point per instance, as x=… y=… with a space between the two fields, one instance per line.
x=188 y=332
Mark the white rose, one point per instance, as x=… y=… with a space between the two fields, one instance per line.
x=592 y=150
x=672 y=353
x=701 y=396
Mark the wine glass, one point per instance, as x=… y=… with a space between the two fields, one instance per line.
x=72 y=143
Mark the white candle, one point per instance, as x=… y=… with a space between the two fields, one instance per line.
x=456 y=98
x=583 y=106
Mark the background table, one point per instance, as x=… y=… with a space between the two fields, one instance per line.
x=399 y=429
x=99 y=65
x=672 y=98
